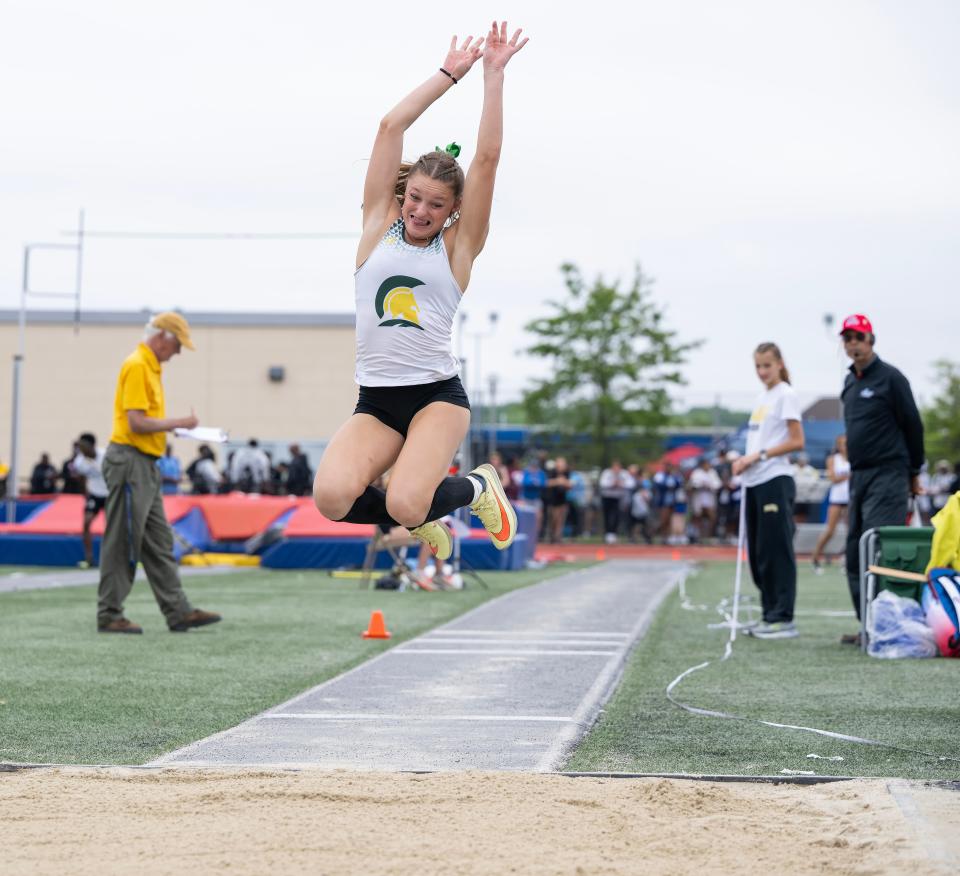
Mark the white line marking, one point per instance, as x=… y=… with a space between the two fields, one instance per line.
x=530 y=653
x=927 y=834
x=515 y=642
x=536 y=632
x=374 y=716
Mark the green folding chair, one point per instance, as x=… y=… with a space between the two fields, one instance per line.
x=903 y=548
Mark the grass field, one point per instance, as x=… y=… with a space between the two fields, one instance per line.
x=811 y=681
x=71 y=695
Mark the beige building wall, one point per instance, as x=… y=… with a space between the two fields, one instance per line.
x=69 y=380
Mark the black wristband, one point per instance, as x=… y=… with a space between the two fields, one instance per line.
x=448 y=73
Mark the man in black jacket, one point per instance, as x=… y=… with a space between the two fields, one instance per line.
x=884 y=444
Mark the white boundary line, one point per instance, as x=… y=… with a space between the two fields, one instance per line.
x=534 y=633
x=926 y=834
x=517 y=642
x=529 y=652
x=375 y=716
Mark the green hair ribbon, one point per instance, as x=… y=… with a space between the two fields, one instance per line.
x=452 y=149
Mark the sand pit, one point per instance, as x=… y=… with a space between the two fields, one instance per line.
x=82 y=821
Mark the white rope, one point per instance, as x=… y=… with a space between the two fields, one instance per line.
x=741 y=536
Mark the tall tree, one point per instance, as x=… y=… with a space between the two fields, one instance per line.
x=612 y=359
x=941 y=420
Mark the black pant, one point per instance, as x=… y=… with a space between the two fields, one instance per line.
x=770 y=529
x=611 y=514
x=878 y=497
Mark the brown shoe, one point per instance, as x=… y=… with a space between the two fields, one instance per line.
x=196 y=618
x=851 y=639
x=120 y=625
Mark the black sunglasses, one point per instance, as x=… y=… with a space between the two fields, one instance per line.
x=853 y=336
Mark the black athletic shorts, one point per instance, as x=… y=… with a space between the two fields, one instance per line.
x=94 y=504
x=396 y=406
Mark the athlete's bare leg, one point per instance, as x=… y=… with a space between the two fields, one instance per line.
x=362 y=449
x=834 y=513
x=434 y=435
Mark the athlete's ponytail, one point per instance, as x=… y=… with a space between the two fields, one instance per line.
x=770 y=347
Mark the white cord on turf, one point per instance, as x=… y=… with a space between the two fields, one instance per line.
x=732 y=623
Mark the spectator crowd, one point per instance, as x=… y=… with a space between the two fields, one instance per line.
x=249 y=469
x=698 y=501
x=694 y=502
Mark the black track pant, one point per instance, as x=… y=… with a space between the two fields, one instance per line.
x=611 y=514
x=878 y=497
x=770 y=528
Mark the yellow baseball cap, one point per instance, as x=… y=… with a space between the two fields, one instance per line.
x=176 y=324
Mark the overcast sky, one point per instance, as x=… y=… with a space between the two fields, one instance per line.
x=768 y=162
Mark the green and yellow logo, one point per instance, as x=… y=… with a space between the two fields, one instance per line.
x=395 y=300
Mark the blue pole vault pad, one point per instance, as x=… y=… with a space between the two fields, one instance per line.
x=192 y=534
x=24 y=509
x=43 y=550
x=315 y=553
x=333 y=553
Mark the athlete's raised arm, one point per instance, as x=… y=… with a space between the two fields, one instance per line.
x=381 y=181
x=474 y=219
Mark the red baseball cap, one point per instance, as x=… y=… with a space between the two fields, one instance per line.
x=857 y=322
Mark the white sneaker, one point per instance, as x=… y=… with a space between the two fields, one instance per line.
x=435 y=536
x=494 y=509
x=782 y=630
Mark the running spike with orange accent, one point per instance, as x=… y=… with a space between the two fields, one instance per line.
x=377 y=628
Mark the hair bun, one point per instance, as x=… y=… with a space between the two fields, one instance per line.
x=452 y=149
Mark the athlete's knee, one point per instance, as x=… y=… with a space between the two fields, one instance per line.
x=407 y=507
x=334 y=498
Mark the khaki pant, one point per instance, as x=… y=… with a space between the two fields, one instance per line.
x=137 y=531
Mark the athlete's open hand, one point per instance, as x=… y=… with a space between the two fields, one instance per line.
x=459 y=61
x=499 y=49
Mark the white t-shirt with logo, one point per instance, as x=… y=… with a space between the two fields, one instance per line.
x=768 y=428
x=92 y=470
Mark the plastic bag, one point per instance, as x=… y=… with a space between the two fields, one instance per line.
x=897 y=628
x=915 y=518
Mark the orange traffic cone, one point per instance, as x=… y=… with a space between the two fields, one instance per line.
x=675 y=555
x=377 y=628
x=601 y=555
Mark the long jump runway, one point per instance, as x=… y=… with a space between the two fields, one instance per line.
x=512 y=685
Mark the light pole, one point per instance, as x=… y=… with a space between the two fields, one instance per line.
x=18 y=357
x=493 y=406
x=476 y=382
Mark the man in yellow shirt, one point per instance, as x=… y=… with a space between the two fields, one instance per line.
x=137 y=530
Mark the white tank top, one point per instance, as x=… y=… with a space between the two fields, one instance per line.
x=406 y=302
x=840 y=493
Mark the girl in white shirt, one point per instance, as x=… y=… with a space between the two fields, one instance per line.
x=775 y=431
x=424 y=224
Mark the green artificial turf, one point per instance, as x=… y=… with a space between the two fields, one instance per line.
x=811 y=681
x=71 y=695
